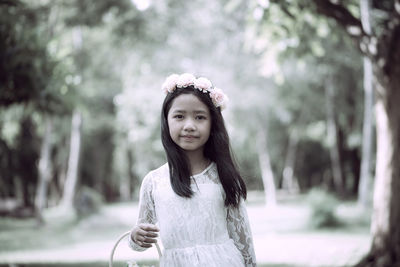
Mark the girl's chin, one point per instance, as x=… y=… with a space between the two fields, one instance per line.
x=189 y=148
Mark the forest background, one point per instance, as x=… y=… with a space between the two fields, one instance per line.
x=313 y=88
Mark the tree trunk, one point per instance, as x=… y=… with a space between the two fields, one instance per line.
x=355 y=161
x=71 y=178
x=45 y=171
x=73 y=162
x=385 y=228
x=62 y=167
x=364 y=187
x=266 y=170
x=18 y=189
x=333 y=138
x=126 y=179
x=288 y=179
x=385 y=250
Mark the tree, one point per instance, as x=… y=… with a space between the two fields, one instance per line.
x=365 y=173
x=26 y=160
x=45 y=171
x=381 y=47
x=312 y=54
x=267 y=174
x=73 y=163
x=26 y=68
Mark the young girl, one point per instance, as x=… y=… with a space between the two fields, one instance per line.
x=197 y=198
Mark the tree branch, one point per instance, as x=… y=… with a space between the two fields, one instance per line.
x=341 y=15
x=10 y=2
x=287 y=12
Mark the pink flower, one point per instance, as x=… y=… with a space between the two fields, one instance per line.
x=203 y=84
x=185 y=80
x=218 y=98
x=170 y=83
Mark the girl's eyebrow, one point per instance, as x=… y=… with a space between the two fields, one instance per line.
x=178 y=111
x=200 y=111
x=184 y=111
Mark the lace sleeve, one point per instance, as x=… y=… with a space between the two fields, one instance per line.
x=147 y=212
x=239 y=231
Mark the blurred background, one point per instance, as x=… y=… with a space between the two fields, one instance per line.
x=80 y=101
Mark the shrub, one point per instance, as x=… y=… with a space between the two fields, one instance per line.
x=87 y=202
x=323 y=209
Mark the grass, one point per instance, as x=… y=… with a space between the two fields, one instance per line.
x=282 y=237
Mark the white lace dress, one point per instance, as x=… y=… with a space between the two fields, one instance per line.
x=197 y=231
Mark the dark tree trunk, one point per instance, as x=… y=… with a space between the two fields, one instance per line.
x=45 y=172
x=355 y=161
x=385 y=250
x=333 y=138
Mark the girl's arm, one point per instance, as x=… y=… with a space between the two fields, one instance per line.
x=147 y=214
x=239 y=231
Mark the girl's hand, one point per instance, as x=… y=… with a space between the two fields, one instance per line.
x=144 y=234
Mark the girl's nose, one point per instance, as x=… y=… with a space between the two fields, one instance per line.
x=189 y=126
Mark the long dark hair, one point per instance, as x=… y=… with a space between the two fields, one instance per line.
x=217 y=149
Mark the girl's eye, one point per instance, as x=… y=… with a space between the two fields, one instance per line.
x=178 y=116
x=201 y=117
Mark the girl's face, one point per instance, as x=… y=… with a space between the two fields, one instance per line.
x=189 y=123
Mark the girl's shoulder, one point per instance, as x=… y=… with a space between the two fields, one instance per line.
x=157 y=175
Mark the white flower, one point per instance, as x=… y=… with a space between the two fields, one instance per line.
x=203 y=84
x=185 y=80
x=170 y=83
x=219 y=98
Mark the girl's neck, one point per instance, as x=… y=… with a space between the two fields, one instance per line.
x=197 y=162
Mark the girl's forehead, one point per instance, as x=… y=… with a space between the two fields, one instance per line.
x=188 y=102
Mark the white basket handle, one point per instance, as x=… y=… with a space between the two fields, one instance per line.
x=110 y=264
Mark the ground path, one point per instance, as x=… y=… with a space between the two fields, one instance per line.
x=280 y=237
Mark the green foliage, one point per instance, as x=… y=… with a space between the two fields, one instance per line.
x=26 y=69
x=323 y=207
x=108 y=59
x=311 y=51
x=93 y=14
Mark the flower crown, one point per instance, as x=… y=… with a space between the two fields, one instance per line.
x=202 y=84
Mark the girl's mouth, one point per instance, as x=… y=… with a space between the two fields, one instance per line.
x=188 y=137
